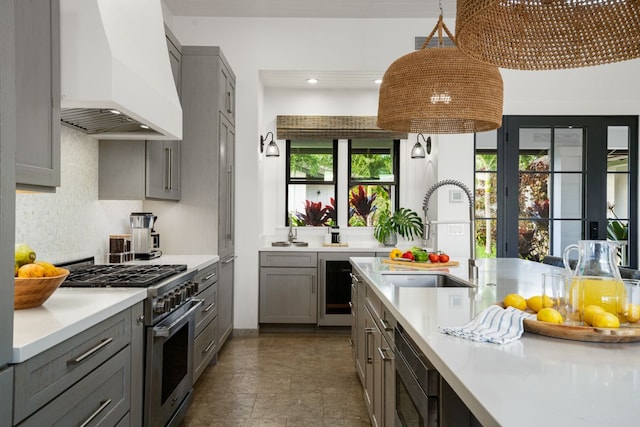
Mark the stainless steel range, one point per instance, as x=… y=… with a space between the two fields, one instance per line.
x=170 y=324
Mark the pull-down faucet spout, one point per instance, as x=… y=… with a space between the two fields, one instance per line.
x=473 y=265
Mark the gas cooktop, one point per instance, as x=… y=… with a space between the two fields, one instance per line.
x=121 y=275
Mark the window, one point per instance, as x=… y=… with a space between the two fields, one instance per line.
x=373 y=179
x=534 y=195
x=311 y=182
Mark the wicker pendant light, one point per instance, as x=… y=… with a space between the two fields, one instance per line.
x=549 y=34
x=440 y=90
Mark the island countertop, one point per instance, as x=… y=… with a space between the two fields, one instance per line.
x=532 y=380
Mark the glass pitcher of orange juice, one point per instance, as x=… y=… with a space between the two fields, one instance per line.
x=596 y=277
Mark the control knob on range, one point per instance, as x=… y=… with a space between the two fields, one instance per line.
x=160 y=306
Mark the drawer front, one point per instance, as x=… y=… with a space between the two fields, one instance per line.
x=43 y=377
x=101 y=398
x=288 y=259
x=374 y=303
x=206 y=277
x=208 y=309
x=205 y=348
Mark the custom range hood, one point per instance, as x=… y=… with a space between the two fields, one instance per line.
x=116 y=78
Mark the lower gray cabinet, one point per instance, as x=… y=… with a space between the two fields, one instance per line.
x=225 y=300
x=206 y=330
x=95 y=375
x=288 y=295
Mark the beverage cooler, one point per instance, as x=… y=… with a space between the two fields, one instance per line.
x=335 y=287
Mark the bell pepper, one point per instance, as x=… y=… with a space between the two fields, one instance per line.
x=395 y=253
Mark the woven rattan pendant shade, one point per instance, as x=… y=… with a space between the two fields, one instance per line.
x=549 y=34
x=440 y=90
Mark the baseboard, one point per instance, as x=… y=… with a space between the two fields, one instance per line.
x=245 y=333
x=303 y=328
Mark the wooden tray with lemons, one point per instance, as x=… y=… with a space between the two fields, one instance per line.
x=626 y=332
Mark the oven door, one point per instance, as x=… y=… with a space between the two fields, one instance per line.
x=169 y=366
x=416 y=387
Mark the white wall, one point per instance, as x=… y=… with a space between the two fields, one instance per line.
x=254 y=44
x=72 y=223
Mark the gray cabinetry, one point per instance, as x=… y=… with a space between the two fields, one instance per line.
x=288 y=287
x=138 y=170
x=225 y=300
x=94 y=373
x=374 y=353
x=206 y=329
x=227 y=93
x=37 y=79
x=226 y=188
x=163 y=170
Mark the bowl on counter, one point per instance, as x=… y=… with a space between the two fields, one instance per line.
x=32 y=292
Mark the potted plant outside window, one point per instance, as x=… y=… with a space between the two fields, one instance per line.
x=405 y=222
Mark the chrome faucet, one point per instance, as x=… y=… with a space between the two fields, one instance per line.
x=473 y=264
x=293 y=234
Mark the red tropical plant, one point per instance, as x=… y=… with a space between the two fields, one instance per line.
x=362 y=203
x=314 y=214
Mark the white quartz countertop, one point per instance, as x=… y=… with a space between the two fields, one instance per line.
x=70 y=311
x=527 y=382
x=66 y=313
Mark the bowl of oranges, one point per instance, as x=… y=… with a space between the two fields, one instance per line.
x=35 y=281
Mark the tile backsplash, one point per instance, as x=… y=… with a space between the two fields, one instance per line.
x=72 y=223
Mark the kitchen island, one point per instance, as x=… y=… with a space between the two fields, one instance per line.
x=530 y=381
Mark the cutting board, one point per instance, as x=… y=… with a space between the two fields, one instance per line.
x=625 y=333
x=424 y=265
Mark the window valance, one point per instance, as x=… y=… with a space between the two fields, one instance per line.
x=334 y=127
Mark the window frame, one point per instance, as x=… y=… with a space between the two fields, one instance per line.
x=395 y=165
x=300 y=181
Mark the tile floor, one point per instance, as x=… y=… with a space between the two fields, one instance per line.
x=280 y=379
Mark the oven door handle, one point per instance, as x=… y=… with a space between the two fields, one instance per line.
x=166 y=331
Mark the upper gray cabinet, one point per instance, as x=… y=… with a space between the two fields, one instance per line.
x=37 y=40
x=174 y=56
x=138 y=170
x=163 y=170
x=227 y=93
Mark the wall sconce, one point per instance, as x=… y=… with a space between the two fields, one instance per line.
x=417 y=152
x=272 y=148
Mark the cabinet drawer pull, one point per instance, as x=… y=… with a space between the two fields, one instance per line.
x=209 y=277
x=350 y=305
x=354 y=277
x=385 y=324
x=367 y=356
x=209 y=347
x=90 y=353
x=383 y=354
x=209 y=307
x=101 y=408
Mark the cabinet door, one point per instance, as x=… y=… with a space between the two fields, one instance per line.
x=163 y=170
x=226 y=189
x=361 y=338
x=371 y=367
x=121 y=170
x=227 y=93
x=225 y=300
x=37 y=41
x=288 y=295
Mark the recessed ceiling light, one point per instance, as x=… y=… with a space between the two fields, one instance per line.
x=144 y=126
x=114 y=111
x=312 y=81
x=378 y=81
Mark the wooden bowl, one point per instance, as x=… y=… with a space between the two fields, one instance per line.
x=34 y=291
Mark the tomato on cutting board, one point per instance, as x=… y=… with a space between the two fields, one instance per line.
x=443 y=258
x=408 y=255
x=434 y=257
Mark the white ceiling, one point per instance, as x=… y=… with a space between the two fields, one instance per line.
x=313 y=8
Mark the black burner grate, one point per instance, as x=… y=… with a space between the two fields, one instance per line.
x=121 y=275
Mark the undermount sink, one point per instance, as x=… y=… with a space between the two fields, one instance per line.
x=287 y=244
x=425 y=280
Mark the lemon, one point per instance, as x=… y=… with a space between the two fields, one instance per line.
x=515 y=301
x=31 y=270
x=24 y=254
x=589 y=312
x=550 y=315
x=534 y=303
x=49 y=269
x=605 y=320
x=633 y=313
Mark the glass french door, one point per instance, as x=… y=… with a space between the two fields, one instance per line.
x=543 y=183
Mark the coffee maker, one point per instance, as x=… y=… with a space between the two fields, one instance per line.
x=141 y=240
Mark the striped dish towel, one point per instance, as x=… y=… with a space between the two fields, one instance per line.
x=495 y=324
